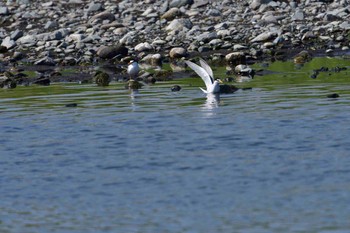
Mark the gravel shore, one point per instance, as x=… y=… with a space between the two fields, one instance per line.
x=77 y=32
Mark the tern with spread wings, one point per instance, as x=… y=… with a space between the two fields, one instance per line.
x=205 y=72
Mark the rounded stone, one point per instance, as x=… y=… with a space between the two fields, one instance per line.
x=235 y=58
x=178 y=52
x=109 y=52
x=171 y=13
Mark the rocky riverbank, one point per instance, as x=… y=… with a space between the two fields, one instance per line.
x=80 y=32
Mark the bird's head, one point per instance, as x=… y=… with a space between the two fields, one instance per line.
x=132 y=61
x=218 y=80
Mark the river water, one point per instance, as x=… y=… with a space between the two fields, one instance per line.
x=274 y=158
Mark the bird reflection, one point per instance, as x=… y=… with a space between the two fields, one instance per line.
x=134 y=94
x=212 y=101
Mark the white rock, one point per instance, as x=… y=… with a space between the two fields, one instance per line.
x=264 y=37
x=143 y=47
x=179 y=25
x=28 y=39
x=77 y=37
x=177 y=52
x=8 y=43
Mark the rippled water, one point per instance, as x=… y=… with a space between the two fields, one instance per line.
x=271 y=159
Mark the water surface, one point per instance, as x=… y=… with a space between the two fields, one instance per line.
x=271 y=159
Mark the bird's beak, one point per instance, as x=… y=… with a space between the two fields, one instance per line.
x=219 y=80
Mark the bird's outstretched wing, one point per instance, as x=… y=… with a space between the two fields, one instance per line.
x=201 y=72
x=206 y=92
x=207 y=68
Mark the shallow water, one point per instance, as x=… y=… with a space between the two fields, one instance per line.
x=271 y=159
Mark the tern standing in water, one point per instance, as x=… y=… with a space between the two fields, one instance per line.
x=133 y=69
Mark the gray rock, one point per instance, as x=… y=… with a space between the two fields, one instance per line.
x=8 y=43
x=216 y=43
x=150 y=10
x=128 y=39
x=142 y=47
x=120 y=31
x=207 y=36
x=30 y=15
x=345 y=25
x=113 y=24
x=106 y=15
x=180 y=3
x=237 y=47
x=270 y=19
x=159 y=42
x=47 y=4
x=16 y=34
x=265 y=36
x=153 y=59
x=4 y=10
x=18 y=55
x=56 y=35
x=94 y=7
x=293 y=4
x=203 y=49
x=171 y=14
x=28 y=39
x=179 y=25
x=298 y=15
x=46 y=61
x=23 y=2
x=75 y=2
x=164 y=7
x=213 y=12
x=200 y=3
x=109 y=52
x=51 y=25
x=255 y=4
x=77 y=37
x=235 y=58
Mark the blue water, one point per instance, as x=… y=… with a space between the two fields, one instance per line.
x=261 y=160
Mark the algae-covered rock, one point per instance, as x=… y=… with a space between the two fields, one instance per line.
x=163 y=75
x=302 y=57
x=133 y=85
x=8 y=83
x=101 y=78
